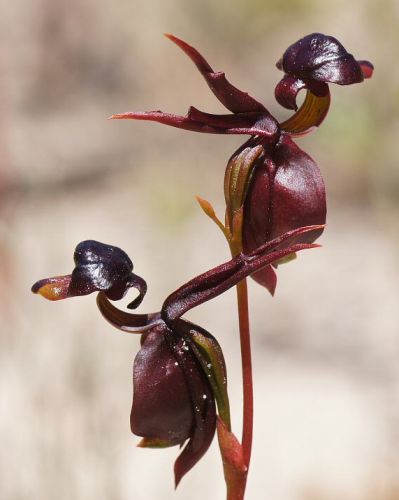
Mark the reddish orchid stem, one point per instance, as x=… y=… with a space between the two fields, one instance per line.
x=246 y=360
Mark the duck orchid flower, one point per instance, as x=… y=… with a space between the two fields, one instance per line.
x=179 y=373
x=271 y=185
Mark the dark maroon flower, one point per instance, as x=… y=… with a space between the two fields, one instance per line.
x=179 y=373
x=271 y=185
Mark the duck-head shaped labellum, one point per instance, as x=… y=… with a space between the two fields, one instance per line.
x=323 y=58
x=98 y=268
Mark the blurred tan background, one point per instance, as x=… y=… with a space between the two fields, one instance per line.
x=326 y=347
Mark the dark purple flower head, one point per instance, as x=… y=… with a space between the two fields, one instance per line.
x=98 y=267
x=271 y=185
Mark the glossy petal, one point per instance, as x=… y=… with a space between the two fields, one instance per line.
x=177 y=374
x=286 y=192
x=162 y=407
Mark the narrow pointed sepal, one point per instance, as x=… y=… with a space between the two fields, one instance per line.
x=245 y=123
x=219 y=279
x=231 y=97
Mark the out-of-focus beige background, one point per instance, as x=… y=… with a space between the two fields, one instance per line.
x=326 y=348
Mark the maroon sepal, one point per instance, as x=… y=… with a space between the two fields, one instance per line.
x=249 y=116
x=219 y=279
x=247 y=123
x=231 y=97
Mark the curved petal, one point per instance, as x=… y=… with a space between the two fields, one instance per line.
x=287 y=90
x=309 y=116
x=127 y=322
